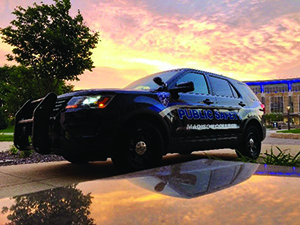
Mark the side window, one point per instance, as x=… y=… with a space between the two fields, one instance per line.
x=198 y=80
x=222 y=87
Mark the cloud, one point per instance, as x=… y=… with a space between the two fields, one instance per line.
x=244 y=39
x=107 y=77
x=237 y=37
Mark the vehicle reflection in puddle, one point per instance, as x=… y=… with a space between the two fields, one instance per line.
x=188 y=180
x=126 y=199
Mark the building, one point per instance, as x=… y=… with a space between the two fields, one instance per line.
x=279 y=96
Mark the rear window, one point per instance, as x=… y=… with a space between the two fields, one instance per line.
x=222 y=87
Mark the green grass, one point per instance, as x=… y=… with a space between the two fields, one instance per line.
x=293 y=131
x=10 y=129
x=6 y=137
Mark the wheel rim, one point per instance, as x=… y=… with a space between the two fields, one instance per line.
x=140 y=148
x=253 y=144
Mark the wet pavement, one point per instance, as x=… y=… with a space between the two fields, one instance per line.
x=203 y=191
x=20 y=179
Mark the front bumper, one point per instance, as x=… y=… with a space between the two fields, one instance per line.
x=32 y=124
x=45 y=126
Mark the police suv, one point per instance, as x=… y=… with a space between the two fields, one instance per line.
x=176 y=111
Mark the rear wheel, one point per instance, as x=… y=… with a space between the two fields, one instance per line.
x=251 y=144
x=141 y=147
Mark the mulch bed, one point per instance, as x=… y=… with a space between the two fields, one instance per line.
x=8 y=159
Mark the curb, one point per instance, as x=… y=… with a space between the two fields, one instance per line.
x=285 y=136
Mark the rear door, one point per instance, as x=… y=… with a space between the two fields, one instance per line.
x=228 y=104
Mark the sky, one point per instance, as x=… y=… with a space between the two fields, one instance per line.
x=243 y=39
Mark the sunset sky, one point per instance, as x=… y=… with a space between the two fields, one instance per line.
x=243 y=39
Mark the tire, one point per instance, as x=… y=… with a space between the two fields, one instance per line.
x=251 y=144
x=141 y=147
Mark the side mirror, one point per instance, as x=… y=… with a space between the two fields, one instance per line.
x=182 y=88
x=185 y=87
x=160 y=82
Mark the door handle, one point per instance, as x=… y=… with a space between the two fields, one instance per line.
x=208 y=102
x=242 y=104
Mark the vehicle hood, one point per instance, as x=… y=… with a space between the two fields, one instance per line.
x=103 y=92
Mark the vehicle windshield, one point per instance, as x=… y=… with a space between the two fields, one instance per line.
x=147 y=83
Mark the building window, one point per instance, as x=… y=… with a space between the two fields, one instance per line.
x=255 y=89
x=296 y=87
x=299 y=104
x=277 y=104
x=263 y=101
x=291 y=104
x=276 y=88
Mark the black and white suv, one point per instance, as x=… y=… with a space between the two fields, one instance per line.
x=176 y=111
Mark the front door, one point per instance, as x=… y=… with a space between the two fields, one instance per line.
x=194 y=113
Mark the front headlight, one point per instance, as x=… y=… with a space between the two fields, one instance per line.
x=93 y=101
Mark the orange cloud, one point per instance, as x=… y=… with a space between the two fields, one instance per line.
x=247 y=40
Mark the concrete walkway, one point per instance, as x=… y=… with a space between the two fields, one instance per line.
x=29 y=178
x=5 y=145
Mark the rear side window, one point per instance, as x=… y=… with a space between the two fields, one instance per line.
x=198 y=80
x=248 y=91
x=222 y=87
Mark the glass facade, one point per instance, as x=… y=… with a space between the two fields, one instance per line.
x=276 y=104
x=278 y=95
x=291 y=104
x=256 y=89
x=296 y=87
x=276 y=88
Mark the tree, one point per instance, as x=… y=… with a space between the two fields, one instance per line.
x=3 y=119
x=17 y=85
x=55 y=46
x=63 y=205
x=273 y=117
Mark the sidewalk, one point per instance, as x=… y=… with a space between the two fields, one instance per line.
x=5 y=145
x=29 y=178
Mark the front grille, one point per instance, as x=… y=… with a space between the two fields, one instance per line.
x=60 y=104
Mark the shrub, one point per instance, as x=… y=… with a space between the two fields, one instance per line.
x=281 y=159
x=3 y=120
x=13 y=150
x=25 y=154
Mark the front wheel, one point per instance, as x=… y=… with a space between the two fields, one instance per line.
x=141 y=147
x=251 y=144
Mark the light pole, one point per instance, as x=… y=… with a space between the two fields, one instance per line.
x=288 y=113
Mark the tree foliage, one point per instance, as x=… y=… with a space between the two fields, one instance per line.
x=273 y=117
x=3 y=119
x=55 y=46
x=64 y=205
x=17 y=85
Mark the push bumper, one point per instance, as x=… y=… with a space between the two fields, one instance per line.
x=32 y=124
